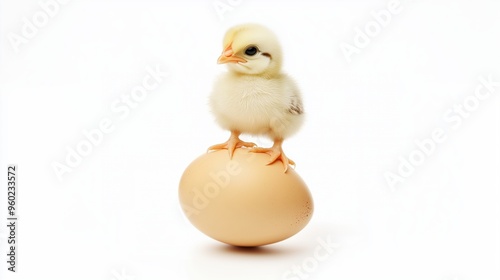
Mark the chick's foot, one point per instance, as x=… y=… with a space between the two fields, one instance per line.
x=276 y=153
x=231 y=144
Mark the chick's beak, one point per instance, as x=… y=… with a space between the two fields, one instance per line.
x=229 y=56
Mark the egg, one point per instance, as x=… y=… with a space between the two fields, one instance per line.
x=242 y=201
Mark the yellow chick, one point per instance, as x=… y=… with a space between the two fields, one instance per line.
x=254 y=96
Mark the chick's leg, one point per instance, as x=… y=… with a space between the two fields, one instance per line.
x=276 y=153
x=232 y=143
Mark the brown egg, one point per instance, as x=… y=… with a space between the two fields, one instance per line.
x=243 y=201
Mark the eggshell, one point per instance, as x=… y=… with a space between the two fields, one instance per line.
x=243 y=201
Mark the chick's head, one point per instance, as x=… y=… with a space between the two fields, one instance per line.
x=251 y=49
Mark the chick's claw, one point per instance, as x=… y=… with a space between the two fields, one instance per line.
x=231 y=145
x=276 y=154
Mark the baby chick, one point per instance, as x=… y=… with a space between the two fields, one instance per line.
x=254 y=96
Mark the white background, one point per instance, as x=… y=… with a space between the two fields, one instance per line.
x=117 y=216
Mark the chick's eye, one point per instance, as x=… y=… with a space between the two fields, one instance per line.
x=251 y=51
